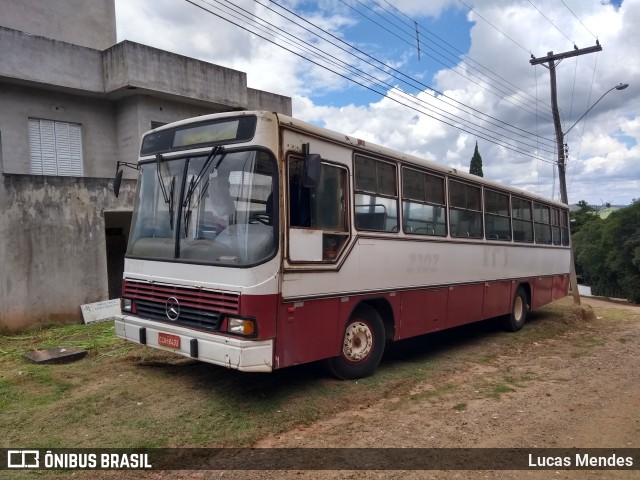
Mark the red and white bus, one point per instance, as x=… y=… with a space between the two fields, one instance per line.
x=259 y=242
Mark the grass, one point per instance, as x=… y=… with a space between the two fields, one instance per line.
x=589 y=341
x=500 y=389
x=126 y=395
x=434 y=395
x=98 y=338
x=458 y=407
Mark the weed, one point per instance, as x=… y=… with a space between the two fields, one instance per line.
x=434 y=394
x=500 y=389
x=589 y=341
x=486 y=358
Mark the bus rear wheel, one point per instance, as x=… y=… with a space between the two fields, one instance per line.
x=362 y=345
x=518 y=316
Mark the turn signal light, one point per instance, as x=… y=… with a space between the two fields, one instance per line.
x=242 y=326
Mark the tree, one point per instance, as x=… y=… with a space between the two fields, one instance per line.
x=583 y=215
x=622 y=239
x=476 y=163
x=608 y=251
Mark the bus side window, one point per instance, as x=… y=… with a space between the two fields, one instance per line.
x=423 y=203
x=465 y=210
x=376 y=195
x=497 y=218
x=322 y=207
x=522 y=220
x=299 y=197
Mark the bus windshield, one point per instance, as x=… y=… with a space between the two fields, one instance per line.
x=216 y=208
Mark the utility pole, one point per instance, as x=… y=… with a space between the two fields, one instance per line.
x=550 y=59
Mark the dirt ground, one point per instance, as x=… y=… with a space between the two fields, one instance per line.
x=581 y=389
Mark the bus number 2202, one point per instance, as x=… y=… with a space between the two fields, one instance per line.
x=423 y=263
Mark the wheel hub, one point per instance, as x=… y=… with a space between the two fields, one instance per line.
x=518 y=309
x=358 y=341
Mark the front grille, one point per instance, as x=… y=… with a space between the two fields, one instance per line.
x=199 y=308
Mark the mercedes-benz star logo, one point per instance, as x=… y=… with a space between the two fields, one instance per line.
x=172 y=308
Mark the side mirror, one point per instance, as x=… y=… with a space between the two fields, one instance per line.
x=117 y=181
x=312 y=166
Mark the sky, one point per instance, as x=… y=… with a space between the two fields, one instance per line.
x=432 y=78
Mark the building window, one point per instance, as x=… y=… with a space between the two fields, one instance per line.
x=55 y=148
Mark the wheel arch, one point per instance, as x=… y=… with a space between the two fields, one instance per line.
x=363 y=340
x=385 y=310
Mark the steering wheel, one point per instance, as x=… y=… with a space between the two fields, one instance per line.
x=262 y=218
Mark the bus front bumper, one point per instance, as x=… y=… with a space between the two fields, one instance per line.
x=237 y=353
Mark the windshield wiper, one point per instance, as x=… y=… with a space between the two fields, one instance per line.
x=217 y=150
x=167 y=198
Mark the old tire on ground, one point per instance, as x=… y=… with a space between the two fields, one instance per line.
x=518 y=316
x=362 y=345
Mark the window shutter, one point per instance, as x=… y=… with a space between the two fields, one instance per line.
x=35 y=147
x=55 y=148
x=62 y=148
x=75 y=150
x=48 y=142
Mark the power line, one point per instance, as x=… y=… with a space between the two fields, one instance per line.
x=535 y=99
x=593 y=76
x=494 y=27
x=412 y=82
x=503 y=94
x=585 y=27
x=554 y=25
x=484 y=136
x=381 y=83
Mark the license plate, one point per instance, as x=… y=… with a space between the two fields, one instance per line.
x=168 y=340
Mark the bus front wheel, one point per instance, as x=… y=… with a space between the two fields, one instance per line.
x=362 y=345
x=515 y=320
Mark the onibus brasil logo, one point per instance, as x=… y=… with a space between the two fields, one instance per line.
x=86 y=459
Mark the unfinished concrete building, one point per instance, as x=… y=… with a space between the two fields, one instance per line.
x=73 y=103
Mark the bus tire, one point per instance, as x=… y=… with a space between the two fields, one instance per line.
x=362 y=345
x=518 y=316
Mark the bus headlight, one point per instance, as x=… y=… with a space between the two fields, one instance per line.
x=126 y=305
x=241 y=326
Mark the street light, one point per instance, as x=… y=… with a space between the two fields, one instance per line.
x=620 y=86
x=573 y=280
x=560 y=140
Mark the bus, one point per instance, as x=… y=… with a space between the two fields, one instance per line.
x=259 y=241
